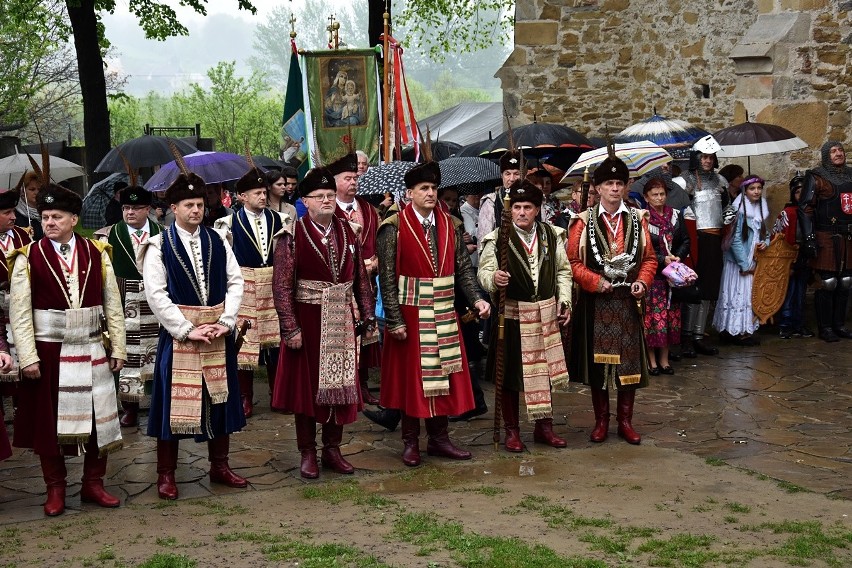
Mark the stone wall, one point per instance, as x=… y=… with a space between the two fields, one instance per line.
x=595 y=63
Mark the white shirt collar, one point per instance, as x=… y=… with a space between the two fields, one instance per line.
x=146 y=227
x=430 y=218
x=72 y=243
x=345 y=206
x=252 y=214
x=622 y=208
x=186 y=234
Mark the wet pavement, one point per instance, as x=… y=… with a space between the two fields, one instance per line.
x=781 y=409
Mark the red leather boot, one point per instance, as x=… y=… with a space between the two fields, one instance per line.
x=439 y=440
x=167 y=453
x=624 y=416
x=600 y=402
x=410 y=440
x=332 y=434
x=94 y=470
x=54 y=473
x=306 y=433
x=220 y=472
x=366 y=395
x=246 y=378
x=510 y=405
x=130 y=416
x=543 y=434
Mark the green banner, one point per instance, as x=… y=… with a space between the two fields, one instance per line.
x=294 y=141
x=343 y=97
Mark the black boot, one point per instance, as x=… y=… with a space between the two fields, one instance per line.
x=825 y=314
x=478 y=396
x=841 y=297
x=385 y=417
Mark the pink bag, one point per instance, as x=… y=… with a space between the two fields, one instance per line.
x=679 y=275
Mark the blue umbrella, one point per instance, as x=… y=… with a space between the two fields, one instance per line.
x=676 y=136
x=213 y=167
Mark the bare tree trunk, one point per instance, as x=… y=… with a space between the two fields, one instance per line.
x=90 y=66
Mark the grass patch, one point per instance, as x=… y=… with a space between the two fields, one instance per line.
x=167 y=560
x=426 y=478
x=167 y=541
x=716 y=462
x=791 y=487
x=809 y=541
x=471 y=549
x=558 y=515
x=735 y=507
x=348 y=490
x=308 y=555
x=217 y=508
x=11 y=540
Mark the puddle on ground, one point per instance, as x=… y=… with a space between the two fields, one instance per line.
x=429 y=477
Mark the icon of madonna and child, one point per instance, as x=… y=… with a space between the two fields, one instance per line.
x=344 y=103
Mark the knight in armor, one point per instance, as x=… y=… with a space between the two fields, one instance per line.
x=705 y=188
x=825 y=216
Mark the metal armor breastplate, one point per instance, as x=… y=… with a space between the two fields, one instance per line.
x=706 y=201
x=835 y=213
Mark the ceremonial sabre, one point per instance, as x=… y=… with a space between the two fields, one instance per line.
x=241 y=335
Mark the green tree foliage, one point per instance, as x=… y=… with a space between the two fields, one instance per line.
x=444 y=93
x=231 y=110
x=31 y=34
x=442 y=27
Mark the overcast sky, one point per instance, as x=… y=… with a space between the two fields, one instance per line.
x=226 y=34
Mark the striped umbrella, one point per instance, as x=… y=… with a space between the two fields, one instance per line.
x=676 y=136
x=640 y=158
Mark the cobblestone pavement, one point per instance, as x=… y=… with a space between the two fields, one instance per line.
x=781 y=409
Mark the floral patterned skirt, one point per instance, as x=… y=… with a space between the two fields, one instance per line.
x=662 y=323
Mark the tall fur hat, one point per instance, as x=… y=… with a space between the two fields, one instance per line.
x=255 y=178
x=348 y=163
x=427 y=172
x=317 y=178
x=9 y=198
x=56 y=197
x=510 y=160
x=135 y=196
x=188 y=185
x=524 y=191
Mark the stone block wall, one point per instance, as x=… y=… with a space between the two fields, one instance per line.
x=596 y=63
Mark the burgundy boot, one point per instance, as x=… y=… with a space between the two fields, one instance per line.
x=364 y=379
x=130 y=416
x=510 y=405
x=94 y=469
x=543 y=434
x=624 y=416
x=306 y=434
x=332 y=434
x=167 y=453
x=600 y=402
x=246 y=391
x=54 y=473
x=439 y=440
x=411 y=440
x=220 y=472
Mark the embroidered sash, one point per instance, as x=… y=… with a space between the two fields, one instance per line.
x=258 y=308
x=142 y=331
x=338 y=356
x=195 y=362
x=85 y=381
x=440 y=352
x=542 y=357
x=13 y=375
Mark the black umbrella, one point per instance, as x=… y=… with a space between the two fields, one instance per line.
x=440 y=151
x=384 y=178
x=469 y=175
x=554 y=144
x=142 y=152
x=475 y=149
x=267 y=163
x=756 y=139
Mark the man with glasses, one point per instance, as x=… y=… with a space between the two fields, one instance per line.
x=318 y=271
x=126 y=237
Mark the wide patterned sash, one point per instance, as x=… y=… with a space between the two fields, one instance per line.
x=440 y=351
x=143 y=331
x=195 y=362
x=86 y=385
x=542 y=357
x=258 y=308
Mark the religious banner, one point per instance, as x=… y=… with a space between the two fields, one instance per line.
x=343 y=98
x=294 y=141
